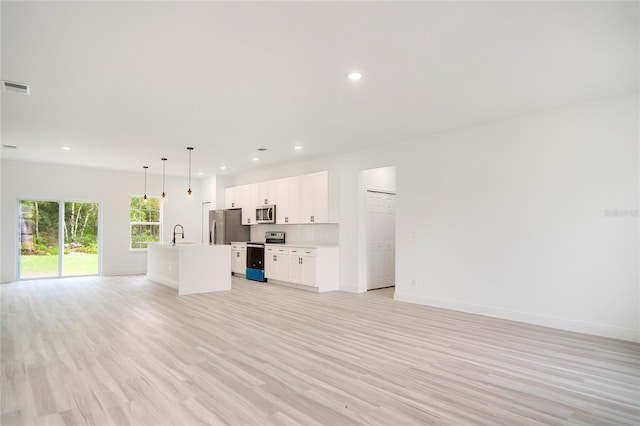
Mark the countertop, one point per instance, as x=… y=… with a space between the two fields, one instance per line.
x=288 y=245
x=304 y=245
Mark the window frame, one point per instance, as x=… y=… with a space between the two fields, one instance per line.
x=148 y=223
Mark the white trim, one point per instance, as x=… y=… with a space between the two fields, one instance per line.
x=525 y=317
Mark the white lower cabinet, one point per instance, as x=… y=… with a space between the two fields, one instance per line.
x=276 y=263
x=302 y=266
x=313 y=268
x=239 y=258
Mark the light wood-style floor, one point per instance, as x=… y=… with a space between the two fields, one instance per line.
x=123 y=350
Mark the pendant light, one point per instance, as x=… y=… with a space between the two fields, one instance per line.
x=189 y=148
x=144 y=199
x=164 y=163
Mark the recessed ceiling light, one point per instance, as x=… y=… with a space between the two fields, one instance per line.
x=200 y=173
x=9 y=146
x=223 y=167
x=354 y=75
x=261 y=149
x=297 y=147
x=255 y=159
x=65 y=148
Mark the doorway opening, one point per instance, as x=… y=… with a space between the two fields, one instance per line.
x=376 y=252
x=381 y=239
x=58 y=239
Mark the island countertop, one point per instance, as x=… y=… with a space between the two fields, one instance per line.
x=190 y=268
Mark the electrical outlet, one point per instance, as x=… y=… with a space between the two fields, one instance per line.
x=413 y=281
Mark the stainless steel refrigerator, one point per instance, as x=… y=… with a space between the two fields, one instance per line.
x=226 y=226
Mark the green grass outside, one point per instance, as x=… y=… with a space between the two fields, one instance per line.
x=47 y=265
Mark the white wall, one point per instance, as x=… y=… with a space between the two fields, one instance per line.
x=379 y=179
x=509 y=218
x=1 y=245
x=112 y=189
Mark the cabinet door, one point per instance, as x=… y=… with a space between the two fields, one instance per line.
x=282 y=267
x=230 y=201
x=238 y=261
x=295 y=266
x=282 y=207
x=307 y=198
x=270 y=265
x=287 y=200
x=243 y=194
x=314 y=198
x=308 y=270
x=271 y=193
x=321 y=202
x=293 y=215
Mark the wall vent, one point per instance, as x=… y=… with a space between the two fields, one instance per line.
x=15 y=87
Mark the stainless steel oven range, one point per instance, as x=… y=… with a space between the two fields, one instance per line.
x=255 y=255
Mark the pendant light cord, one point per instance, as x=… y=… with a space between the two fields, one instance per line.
x=164 y=163
x=144 y=199
x=189 y=148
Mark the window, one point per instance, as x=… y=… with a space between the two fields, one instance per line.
x=146 y=221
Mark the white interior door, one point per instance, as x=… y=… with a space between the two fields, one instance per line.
x=381 y=239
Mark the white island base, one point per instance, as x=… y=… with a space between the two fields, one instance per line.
x=190 y=268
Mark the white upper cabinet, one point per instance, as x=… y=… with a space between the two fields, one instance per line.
x=238 y=198
x=230 y=198
x=314 y=198
x=248 y=208
x=311 y=198
x=265 y=193
x=287 y=200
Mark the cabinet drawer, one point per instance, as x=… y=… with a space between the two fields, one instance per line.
x=302 y=251
x=276 y=250
x=240 y=247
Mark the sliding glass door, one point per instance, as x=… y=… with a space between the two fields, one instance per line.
x=39 y=238
x=58 y=238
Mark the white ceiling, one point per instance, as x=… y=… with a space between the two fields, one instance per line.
x=127 y=83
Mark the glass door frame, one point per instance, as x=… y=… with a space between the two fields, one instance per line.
x=61 y=205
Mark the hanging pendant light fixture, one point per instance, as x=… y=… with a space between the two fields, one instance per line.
x=144 y=199
x=164 y=163
x=189 y=148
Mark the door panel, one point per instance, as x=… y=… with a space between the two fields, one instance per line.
x=380 y=230
x=39 y=238
x=80 y=239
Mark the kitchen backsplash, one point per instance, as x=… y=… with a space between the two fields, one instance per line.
x=326 y=234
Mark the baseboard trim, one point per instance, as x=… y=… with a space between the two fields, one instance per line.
x=525 y=317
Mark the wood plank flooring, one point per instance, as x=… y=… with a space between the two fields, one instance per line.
x=126 y=351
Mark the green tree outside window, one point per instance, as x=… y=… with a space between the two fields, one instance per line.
x=146 y=221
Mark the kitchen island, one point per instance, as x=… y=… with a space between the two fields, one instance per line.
x=190 y=268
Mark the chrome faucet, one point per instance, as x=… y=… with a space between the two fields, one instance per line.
x=174 y=233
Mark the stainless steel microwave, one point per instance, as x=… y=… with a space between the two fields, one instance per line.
x=266 y=214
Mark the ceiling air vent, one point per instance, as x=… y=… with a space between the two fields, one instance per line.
x=15 y=87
